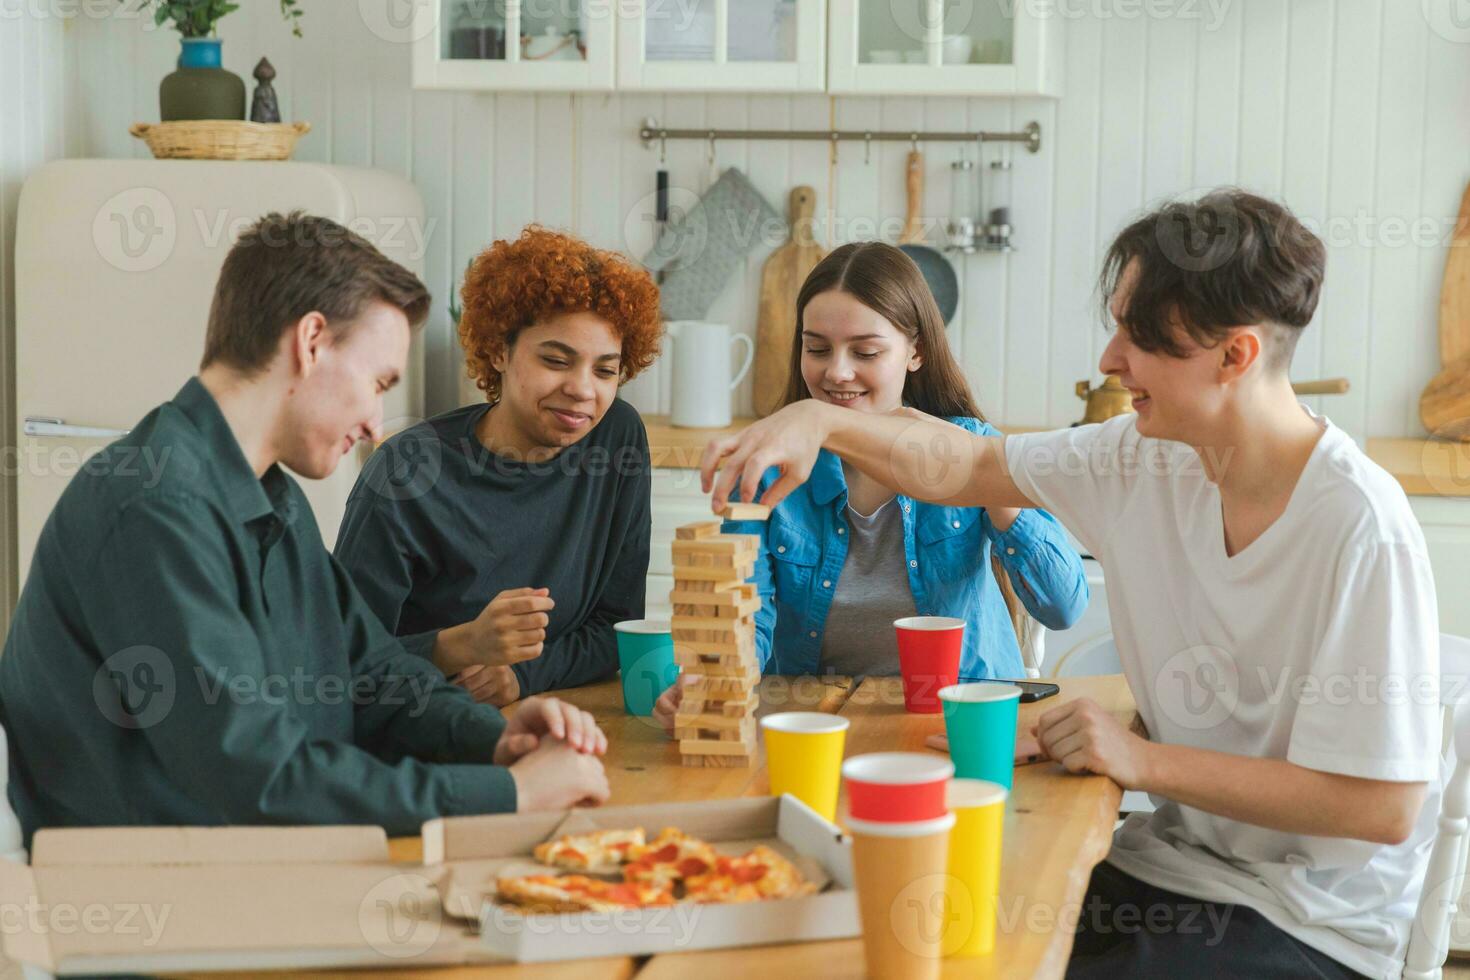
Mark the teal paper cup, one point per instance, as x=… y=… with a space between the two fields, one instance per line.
x=980 y=720
x=646 y=661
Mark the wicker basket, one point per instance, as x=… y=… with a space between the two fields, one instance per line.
x=220 y=139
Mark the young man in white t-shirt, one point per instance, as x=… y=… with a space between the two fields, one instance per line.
x=1271 y=598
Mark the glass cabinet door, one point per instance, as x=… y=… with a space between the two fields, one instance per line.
x=942 y=47
x=734 y=45
x=922 y=32
x=516 y=44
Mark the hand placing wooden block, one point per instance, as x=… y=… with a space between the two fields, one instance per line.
x=746 y=512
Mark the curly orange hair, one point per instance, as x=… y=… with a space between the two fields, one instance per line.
x=513 y=285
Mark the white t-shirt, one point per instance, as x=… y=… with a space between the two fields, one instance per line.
x=1318 y=643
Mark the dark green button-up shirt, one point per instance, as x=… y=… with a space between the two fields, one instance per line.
x=185 y=651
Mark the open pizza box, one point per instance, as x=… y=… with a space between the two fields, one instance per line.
x=177 y=899
x=473 y=852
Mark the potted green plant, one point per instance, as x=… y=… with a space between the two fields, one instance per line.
x=201 y=88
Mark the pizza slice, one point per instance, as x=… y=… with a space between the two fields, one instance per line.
x=579 y=893
x=759 y=875
x=595 y=852
x=671 y=856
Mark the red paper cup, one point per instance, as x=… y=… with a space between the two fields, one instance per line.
x=929 y=658
x=897 y=787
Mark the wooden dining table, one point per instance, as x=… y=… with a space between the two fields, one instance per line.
x=1058 y=825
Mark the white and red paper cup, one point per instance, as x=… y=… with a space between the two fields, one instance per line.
x=897 y=787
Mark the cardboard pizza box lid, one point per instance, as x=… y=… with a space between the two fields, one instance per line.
x=155 y=899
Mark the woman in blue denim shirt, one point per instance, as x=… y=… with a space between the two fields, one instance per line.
x=842 y=556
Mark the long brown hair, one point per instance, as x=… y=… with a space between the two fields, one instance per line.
x=887 y=281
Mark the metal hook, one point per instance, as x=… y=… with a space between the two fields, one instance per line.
x=868 y=147
x=663 y=146
x=914 y=139
x=712 y=147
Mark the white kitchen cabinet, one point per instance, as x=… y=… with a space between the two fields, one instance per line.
x=937 y=47
x=566 y=46
x=722 y=45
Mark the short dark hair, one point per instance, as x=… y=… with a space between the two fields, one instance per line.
x=285 y=266
x=1228 y=259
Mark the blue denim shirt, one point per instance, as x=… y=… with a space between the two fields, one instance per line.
x=804 y=545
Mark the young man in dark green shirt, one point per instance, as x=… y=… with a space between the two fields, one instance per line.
x=185 y=650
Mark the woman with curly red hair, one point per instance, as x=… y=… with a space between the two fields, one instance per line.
x=503 y=540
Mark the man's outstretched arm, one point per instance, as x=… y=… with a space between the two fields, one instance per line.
x=909 y=452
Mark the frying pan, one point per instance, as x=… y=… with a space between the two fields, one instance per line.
x=937 y=271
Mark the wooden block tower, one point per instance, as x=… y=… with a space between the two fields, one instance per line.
x=714 y=637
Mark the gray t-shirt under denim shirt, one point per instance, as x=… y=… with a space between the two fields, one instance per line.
x=873 y=591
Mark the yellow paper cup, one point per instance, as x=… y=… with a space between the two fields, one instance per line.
x=973 y=882
x=804 y=757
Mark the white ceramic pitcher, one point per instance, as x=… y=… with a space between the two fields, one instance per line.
x=701 y=372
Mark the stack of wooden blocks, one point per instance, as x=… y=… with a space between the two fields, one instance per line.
x=714 y=638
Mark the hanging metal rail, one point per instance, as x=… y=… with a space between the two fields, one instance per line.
x=651 y=132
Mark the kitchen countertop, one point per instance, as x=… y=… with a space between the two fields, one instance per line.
x=1423 y=467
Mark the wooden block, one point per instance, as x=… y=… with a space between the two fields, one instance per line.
x=699 y=529
x=707 y=587
x=734 y=596
x=709 y=688
x=713 y=610
x=716 y=761
x=719 y=665
x=712 y=623
x=723 y=690
x=737 y=708
x=746 y=512
x=713 y=720
x=710 y=559
x=725 y=576
x=734 y=544
x=719 y=728
x=712 y=636
x=740 y=644
x=708 y=746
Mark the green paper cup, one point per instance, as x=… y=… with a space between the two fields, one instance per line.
x=980 y=720
x=646 y=661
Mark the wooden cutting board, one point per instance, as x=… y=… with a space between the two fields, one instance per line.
x=1454 y=294
x=1444 y=407
x=781 y=278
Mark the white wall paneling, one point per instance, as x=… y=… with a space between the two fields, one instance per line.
x=1352 y=111
x=34 y=96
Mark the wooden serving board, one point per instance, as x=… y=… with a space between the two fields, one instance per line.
x=781 y=279
x=1454 y=294
x=1444 y=408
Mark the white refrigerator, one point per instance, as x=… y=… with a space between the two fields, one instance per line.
x=116 y=262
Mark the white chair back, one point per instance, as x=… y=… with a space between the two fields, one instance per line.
x=1444 y=877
